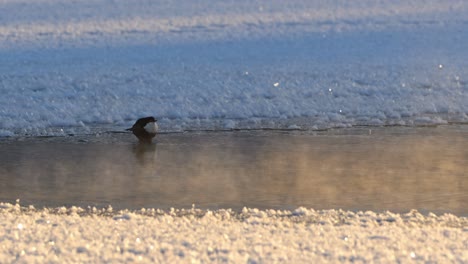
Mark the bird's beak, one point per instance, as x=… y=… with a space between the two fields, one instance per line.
x=129 y=129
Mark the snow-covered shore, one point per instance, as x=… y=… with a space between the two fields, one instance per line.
x=69 y=67
x=224 y=236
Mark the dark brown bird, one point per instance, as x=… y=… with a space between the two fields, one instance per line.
x=145 y=129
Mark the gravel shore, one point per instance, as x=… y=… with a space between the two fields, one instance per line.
x=91 y=235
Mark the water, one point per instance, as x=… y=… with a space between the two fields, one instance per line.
x=379 y=169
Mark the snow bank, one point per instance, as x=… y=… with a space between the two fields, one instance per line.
x=68 y=67
x=250 y=236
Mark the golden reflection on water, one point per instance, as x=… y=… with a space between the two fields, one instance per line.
x=358 y=171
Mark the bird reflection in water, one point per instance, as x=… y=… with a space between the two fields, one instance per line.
x=145 y=153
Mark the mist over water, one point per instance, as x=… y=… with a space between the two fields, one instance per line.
x=394 y=169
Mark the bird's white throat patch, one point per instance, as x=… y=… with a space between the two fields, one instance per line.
x=151 y=127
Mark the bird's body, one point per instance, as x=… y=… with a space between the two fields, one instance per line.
x=145 y=129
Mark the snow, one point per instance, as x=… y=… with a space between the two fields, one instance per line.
x=251 y=236
x=74 y=66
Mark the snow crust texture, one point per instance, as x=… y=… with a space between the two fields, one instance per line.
x=68 y=67
x=224 y=236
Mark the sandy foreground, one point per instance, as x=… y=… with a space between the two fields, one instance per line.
x=64 y=235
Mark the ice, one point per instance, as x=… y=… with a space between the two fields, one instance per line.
x=77 y=67
x=6 y=133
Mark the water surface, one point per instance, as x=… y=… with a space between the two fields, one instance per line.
x=380 y=169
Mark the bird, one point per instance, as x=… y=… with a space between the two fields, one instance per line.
x=145 y=129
